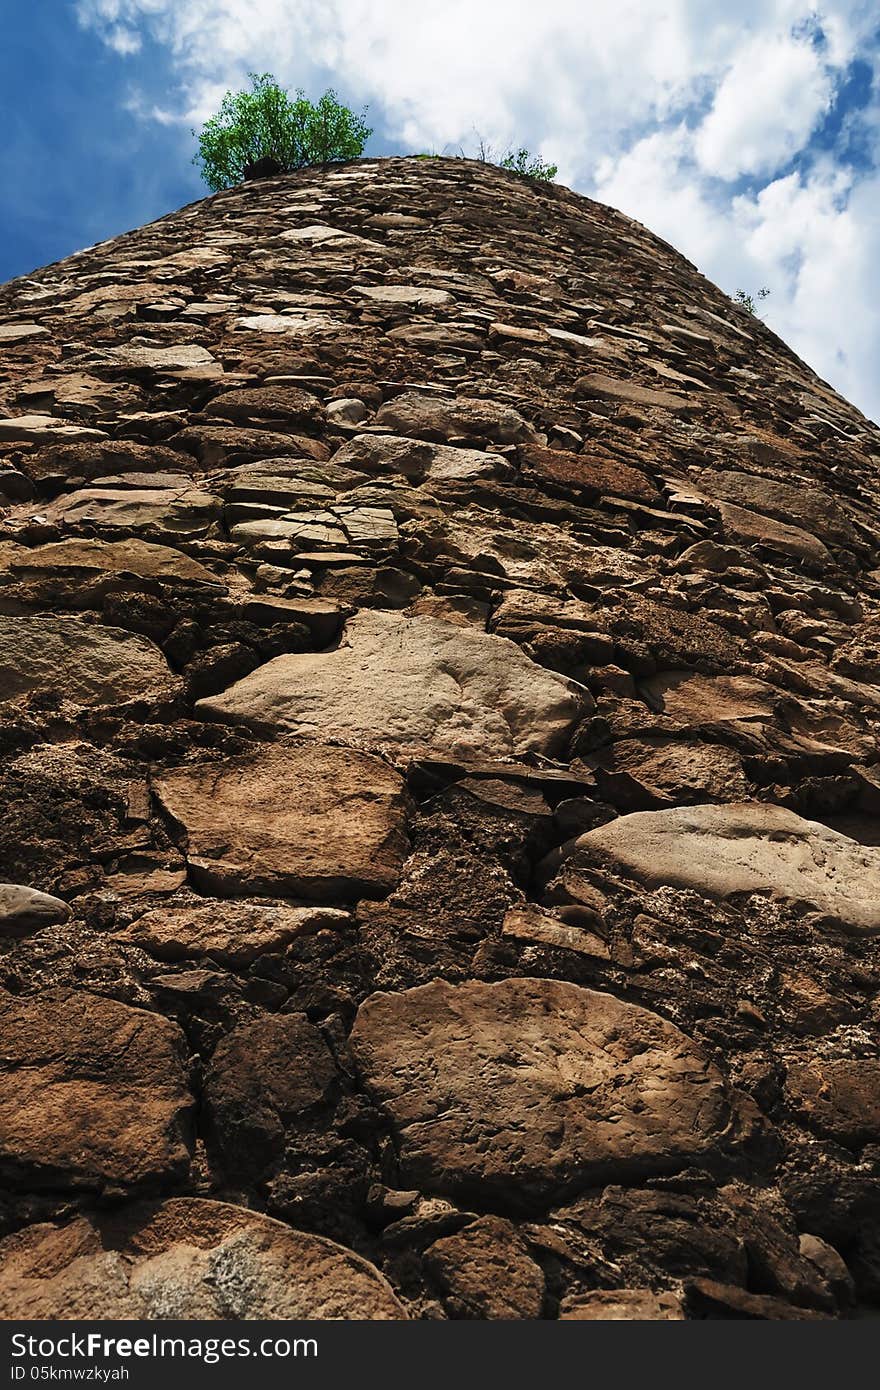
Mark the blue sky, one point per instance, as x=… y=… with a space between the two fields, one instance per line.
x=746 y=135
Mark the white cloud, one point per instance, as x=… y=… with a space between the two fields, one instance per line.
x=766 y=107
x=656 y=108
x=818 y=239
x=123 y=41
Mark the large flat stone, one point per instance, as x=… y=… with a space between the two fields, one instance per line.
x=410 y=683
x=312 y=821
x=94 y=1094
x=748 y=847
x=186 y=1258
x=181 y=355
x=437 y=417
x=183 y=511
x=306 y=529
x=810 y=508
x=19 y=332
x=416 y=459
x=695 y=701
x=756 y=529
x=79 y=661
x=230 y=933
x=45 y=429
x=82 y=556
x=524 y=1090
x=293 y=325
x=403 y=294
x=609 y=388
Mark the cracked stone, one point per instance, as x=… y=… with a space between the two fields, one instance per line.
x=414 y=683
x=529 y=1089
x=308 y=821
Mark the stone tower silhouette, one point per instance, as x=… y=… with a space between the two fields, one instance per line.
x=439 y=655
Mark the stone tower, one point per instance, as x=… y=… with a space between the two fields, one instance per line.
x=439 y=655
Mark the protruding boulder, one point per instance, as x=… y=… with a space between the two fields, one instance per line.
x=309 y=821
x=91 y=557
x=746 y=847
x=186 y=1259
x=438 y=417
x=486 y=1271
x=181 y=512
x=414 y=683
x=230 y=933
x=94 y=1094
x=79 y=661
x=530 y=1089
x=24 y=910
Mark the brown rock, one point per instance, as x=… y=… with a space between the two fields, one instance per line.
x=102 y=458
x=271 y=404
x=217 y=445
x=231 y=934
x=705 y=1298
x=186 y=1258
x=436 y=417
x=696 y=701
x=666 y=772
x=173 y=511
x=539 y=928
x=767 y=534
x=746 y=848
x=306 y=821
x=24 y=910
x=415 y=683
x=486 y=1272
x=628 y=392
x=528 y=1089
x=590 y=475
x=261 y=1077
x=94 y=1094
x=839 y=1099
x=90 y=557
x=813 y=507
x=79 y=661
x=675 y=637
x=622 y=1305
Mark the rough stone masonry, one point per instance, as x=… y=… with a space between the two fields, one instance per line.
x=440 y=845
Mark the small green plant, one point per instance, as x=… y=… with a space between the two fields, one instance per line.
x=267 y=125
x=748 y=301
x=520 y=161
x=528 y=165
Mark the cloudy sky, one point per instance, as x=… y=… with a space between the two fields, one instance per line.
x=746 y=134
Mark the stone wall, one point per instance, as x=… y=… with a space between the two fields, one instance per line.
x=439 y=655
